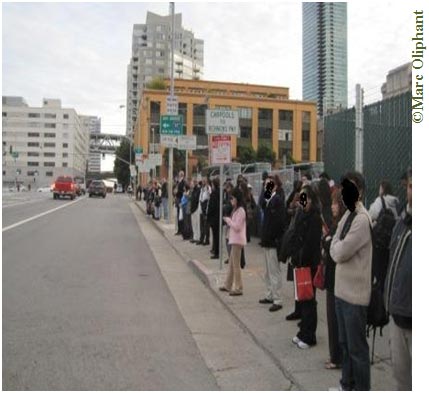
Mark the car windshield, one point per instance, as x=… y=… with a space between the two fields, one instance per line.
x=65 y=179
x=97 y=183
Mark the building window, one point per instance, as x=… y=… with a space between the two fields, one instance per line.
x=265 y=126
x=32 y=163
x=33 y=135
x=49 y=174
x=49 y=135
x=306 y=126
x=65 y=164
x=245 y=113
x=65 y=145
x=48 y=154
x=65 y=155
x=33 y=144
x=50 y=125
x=49 y=164
x=33 y=154
x=4 y=114
x=49 y=144
x=50 y=116
x=34 y=115
x=65 y=116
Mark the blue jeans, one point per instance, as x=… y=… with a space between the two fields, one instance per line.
x=164 y=202
x=351 y=318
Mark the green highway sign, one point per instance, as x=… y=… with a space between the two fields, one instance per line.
x=171 y=125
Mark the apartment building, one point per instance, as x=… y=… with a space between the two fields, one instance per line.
x=93 y=124
x=41 y=143
x=150 y=58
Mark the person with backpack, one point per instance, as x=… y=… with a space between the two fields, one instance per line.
x=384 y=214
x=398 y=292
x=351 y=250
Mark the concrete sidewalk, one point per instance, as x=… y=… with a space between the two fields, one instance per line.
x=270 y=331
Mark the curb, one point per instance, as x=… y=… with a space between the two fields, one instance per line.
x=205 y=274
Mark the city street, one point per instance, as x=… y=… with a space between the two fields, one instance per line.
x=85 y=306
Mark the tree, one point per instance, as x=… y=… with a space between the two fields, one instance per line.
x=157 y=83
x=121 y=169
x=265 y=154
x=246 y=154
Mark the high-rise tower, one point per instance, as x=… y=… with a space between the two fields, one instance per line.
x=151 y=50
x=324 y=49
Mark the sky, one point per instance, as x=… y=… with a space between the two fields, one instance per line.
x=78 y=52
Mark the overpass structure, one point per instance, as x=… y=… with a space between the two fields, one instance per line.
x=105 y=143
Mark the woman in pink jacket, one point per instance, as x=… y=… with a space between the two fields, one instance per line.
x=237 y=240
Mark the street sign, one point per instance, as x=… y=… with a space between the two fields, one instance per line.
x=147 y=166
x=155 y=159
x=172 y=105
x=220 y=152
x=171 y=125
x=138 y=150
x=187 y=142
x=168 y=140
x=222 y=122
x=139 y=157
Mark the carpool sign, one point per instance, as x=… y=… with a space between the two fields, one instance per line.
x=222 y=122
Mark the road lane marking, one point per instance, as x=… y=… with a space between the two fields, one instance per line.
x=4 y=206
x=39 y=215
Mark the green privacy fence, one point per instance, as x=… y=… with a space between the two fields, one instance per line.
x=387 y=143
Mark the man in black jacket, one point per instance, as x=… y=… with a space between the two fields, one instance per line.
x=213 y=216
x=398 y=293
x=272 y=232
x=179 y=194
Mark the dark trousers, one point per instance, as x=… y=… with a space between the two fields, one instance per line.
x=308 y=324
x=205 y=229
x=335 y=352
x=179 y=222
x=356 y=374
x=215 y=232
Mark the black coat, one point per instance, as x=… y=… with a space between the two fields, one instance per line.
x=180 y=190
x=302 y=240
x=195 y=199
x=213 y=208
x=329 y=262
x=273 y=225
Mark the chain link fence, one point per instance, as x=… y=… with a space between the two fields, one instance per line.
x=387 y=142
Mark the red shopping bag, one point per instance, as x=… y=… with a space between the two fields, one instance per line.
x=303 y=284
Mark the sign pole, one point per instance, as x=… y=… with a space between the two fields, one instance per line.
x=170 y=153
x=220 y=217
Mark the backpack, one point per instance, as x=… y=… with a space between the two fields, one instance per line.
x=382 y=231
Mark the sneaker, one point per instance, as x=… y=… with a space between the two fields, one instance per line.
x=275 y=307
x=265 y=301
x=302 y=345
x=296 y=340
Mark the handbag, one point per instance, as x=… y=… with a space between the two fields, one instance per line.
x=319 y=277
x=303 y=284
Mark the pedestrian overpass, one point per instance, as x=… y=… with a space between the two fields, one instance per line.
x=105 y=143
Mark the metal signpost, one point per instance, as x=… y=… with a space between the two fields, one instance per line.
x=221 y=124
x=187 y=142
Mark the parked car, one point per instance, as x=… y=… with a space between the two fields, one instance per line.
x=80 y=190
x=97 y=187
x=64 y=186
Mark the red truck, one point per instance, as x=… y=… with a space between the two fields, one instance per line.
x=64 y=186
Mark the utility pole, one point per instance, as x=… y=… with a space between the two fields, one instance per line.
x=170 y=153
x=359 y=130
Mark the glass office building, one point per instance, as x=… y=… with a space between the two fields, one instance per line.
x=324 y=28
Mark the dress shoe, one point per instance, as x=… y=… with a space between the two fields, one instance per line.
x=235 y=293
x=214 y=257
x=293 y=316
x=223 y=289
x=265 y=301
x=275 y=307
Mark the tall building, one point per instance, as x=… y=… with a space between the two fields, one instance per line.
x=93 y=124
x=324 y=50
x=41 y=143
x=151 y=51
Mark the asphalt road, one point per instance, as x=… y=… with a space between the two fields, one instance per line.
x=84 y=304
